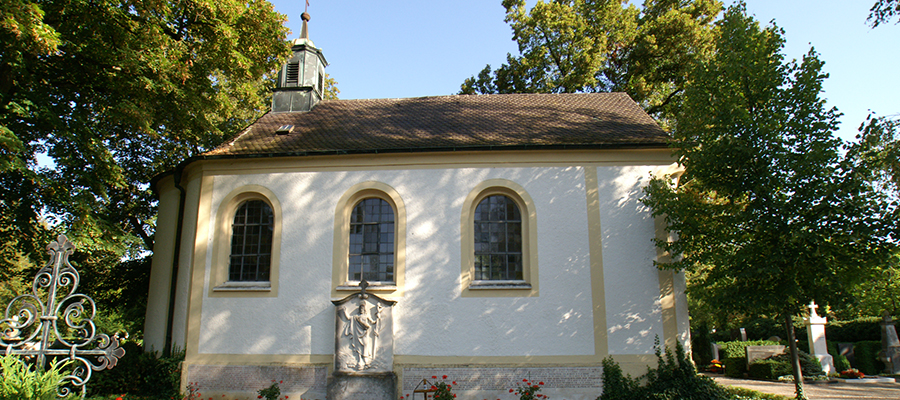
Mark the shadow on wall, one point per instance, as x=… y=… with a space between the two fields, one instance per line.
x=634 y=315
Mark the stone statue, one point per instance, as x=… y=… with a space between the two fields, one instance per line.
x=363 y=348
x=364 y=340
x=363 y=331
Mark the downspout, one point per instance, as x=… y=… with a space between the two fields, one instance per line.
x=173 y=287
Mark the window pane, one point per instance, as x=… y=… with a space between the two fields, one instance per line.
x=251 y=242
x=498 y=239
x=372 y=240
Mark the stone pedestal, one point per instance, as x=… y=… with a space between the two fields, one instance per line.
x=363 y=348
x=369 y=386
x=818 y=348
x=890 y=345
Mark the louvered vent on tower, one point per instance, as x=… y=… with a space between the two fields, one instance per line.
x=293 y=74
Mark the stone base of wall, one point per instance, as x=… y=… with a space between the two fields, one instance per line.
x=244 y=381
x=571 y=383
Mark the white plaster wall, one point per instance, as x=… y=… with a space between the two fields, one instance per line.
x=432 y=318
x=633 y=312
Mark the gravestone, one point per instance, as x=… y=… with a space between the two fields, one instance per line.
x=762 y=352
x=818 y=348
x=363 y=348
x=890 y=345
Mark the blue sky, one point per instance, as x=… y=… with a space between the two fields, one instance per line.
x=413 y=48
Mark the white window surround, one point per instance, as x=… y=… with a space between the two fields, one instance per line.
x=528 y=287
x=220 y=286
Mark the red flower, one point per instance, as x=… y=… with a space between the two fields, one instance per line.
x=540 y=383
x=454 y=382
x=118 y=398
x=280 y=381
x=444 y=377
x=510 y=390
x=433 y=387
x=524 y=380
x=433 y=377
x=259 y=397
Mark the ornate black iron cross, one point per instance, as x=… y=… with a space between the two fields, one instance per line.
x=56 y=323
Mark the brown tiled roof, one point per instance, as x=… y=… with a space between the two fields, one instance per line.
x=444 y=123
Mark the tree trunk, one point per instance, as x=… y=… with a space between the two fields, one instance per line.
x=795 y=356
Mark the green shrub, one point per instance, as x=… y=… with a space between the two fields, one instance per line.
x=841 y=363
x=769 y=369
x=140 y=373
x=735 y=366
x=739 y=393
x=779 y=365
x=809 y=365
x=615 y=385
x=20 y=383
x=866 y=355
x=673 y=378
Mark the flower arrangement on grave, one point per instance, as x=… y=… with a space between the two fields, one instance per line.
x=852 y=373
x=716 y=366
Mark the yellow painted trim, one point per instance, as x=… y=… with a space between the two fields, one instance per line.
x=514 y=361
x=408 y=361
x=635 y=364
x=436 y=160
x=262 y=359
x=529 y=234
x=198 y=267
x=595 y=238
x=341 y=244
x=222 y=240
x=666 y=289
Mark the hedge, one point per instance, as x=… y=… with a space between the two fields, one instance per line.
x=735 y=366
x=866 y=354
x=769 y=369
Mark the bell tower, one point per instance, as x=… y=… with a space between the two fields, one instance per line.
x=301 y=81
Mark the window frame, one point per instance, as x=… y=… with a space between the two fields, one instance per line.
x=528 y=286
x=220 y=285
x=340 y=282
x=379 y=235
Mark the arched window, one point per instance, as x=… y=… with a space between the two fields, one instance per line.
x=499 y=251
x=498 y=239
x=251 y=242
x=371 y=252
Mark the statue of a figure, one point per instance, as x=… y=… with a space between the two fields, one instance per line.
x=363 y=331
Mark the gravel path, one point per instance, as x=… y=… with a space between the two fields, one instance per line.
x=820 y=390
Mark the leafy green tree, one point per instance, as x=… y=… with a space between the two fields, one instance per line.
x=571 y=46
x=96 y=97
x=768 y=215
x=883 y=11
x=875 y=155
